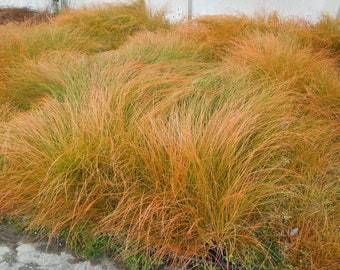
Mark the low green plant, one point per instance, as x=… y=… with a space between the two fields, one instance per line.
x=85 y=243
x=141 y=261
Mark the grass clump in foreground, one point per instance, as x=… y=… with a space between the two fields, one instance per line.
x=196 y=145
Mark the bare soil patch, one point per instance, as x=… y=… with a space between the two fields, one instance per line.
x=23 y=15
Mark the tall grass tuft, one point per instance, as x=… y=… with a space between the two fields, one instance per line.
x=69 y=169
x=186 y=44
x=111 y=25
x=226 y=30
x=55 y=75
x=85 y=31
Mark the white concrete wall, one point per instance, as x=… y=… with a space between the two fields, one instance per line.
x=43 y=4
x=309 y=9
x=178 y=9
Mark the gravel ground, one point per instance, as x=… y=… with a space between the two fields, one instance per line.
x=18 y=252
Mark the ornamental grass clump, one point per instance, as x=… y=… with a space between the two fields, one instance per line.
x=66 y=166
x=225 y=31
x=55 y=75
x=85 y=31
x=188 y=147
x=187 y=44
x=111 y=25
